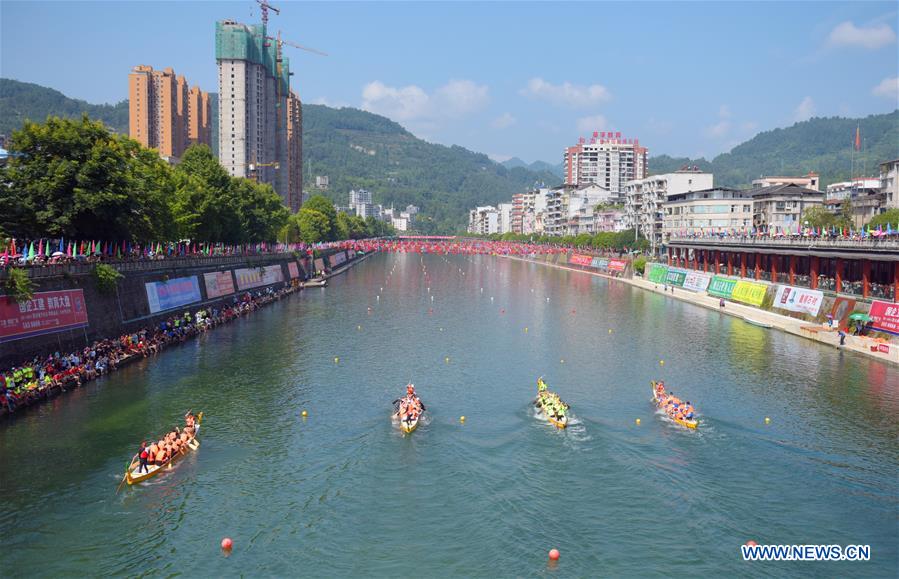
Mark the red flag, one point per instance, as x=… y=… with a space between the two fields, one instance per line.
x=858 y=139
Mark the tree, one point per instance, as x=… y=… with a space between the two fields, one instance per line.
x=313 y=225
x=259 y=210
x=819 y=217
x=890 y=218
x=73 y=178
x=321 y=204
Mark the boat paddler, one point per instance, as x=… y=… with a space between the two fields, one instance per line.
x=144 y=454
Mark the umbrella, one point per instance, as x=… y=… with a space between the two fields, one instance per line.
x=57 y=254
x=860 y=317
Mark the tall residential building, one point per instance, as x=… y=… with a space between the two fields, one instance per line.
x=294 y=151
x=254 y=85
x=199 y=117
x=160 y=109
x=607 y=160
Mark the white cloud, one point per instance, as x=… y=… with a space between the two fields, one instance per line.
x=503 y=121
x=593 y=123
x=455 y=99
x=718 y=130
x=870 y=37
x=722 y=128
x=888 y=87
x=566 y=93
x=805 y=110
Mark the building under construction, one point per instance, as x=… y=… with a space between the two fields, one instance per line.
x=260 y=124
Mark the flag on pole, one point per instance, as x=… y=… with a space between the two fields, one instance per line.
x=858 y=139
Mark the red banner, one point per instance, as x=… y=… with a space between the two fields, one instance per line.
x=885 y=317
x=617 y=265
x=580 y=259
x=45 y=313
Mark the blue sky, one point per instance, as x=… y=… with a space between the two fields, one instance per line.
x=504 y=78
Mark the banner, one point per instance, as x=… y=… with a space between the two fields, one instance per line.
x=840 y=311
x=293 y=269
x=697 y=281
x=600 y=263
x=337 y=259
x=796 y=299
x=722 y=287
x=885 y=317
x=319 y=264
x=617 y=265
x=658 y=273
x=174 y=293
x=584 y=260
x=218 y=284
x=676 y=277
x=749 y=292
x=258 y=276
x=45 y=313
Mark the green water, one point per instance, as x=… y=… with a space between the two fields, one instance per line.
x=344 y=494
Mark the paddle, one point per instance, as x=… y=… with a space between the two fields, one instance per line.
x=125 y=476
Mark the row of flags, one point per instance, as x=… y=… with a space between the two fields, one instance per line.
x=777 y=231
x=57 y=248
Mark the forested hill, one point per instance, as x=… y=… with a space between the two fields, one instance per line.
x=360 y=149
x=823 y=145
x=352 y=147
x=356 y=149
x=23 y=100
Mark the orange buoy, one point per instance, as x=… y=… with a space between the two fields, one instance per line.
x=751 y=543
x=553 y=554
x=227 y=543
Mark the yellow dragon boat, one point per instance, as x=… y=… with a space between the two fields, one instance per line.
x=132 y=476
x=686 y=423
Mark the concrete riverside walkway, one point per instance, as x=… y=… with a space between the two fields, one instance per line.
x=811 y=330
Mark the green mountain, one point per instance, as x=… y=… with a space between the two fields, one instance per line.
x=535 y=166
x=21 y=101
x=822 y=145
x=357 y=149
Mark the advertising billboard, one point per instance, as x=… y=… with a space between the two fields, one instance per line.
x=174 y=293
x=44 y=313
x=797 y=299
x=218 y=283
x=252 y=277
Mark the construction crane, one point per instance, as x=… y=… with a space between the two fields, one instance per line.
x=264 y=7
x=282 y=42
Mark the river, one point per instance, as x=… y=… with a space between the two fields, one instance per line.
x=344 y=493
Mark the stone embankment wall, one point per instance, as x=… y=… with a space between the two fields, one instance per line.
x=149 y=291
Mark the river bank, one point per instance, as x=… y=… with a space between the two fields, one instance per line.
x=815 y=332
x=36 y=381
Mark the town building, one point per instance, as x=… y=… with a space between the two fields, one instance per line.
x=322 y=182
x=844 y=189
x=781 y=207
x=889 y=183
x=809 y=181
x=165 y=113
x=483 y=220
x=644 y=199
x=359 y=196
x=254 y=86
x=608 y=220
x=581 y=204
x=505 y=217
x=608 y=160
x=717 y=210
x=400 y=223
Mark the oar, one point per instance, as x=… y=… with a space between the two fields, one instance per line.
x=125 y=476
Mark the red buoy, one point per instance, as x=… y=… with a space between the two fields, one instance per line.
x=227 y=543
x=553 y=554
x=751 y=543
